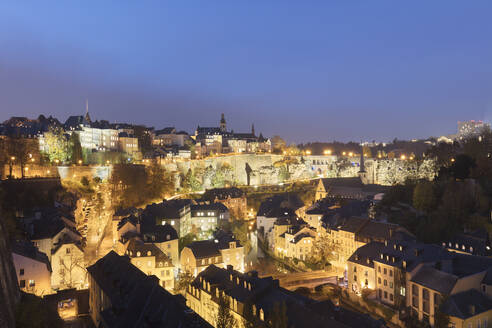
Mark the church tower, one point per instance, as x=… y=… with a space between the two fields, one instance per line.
x=362 y=168
x=223 y=123
x=253 y=129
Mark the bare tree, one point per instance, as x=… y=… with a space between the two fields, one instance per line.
x=69 y=265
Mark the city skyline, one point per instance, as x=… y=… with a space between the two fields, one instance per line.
x=333 y=72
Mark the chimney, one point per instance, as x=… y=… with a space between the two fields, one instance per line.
x=229 y=267
x=471 y=309
x=253 y=274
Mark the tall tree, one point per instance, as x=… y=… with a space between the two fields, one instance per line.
x=424 y=197
x=224 y=317
x=76 y=148
x=56 y=145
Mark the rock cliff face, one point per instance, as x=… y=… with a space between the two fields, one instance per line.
x=9 y=290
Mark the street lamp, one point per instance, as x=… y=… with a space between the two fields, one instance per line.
x=327 y=152
x=351 y=154
x=57 y=161
x=344 y=153
x=403 y=157
x=308 y=152
x=80 y=162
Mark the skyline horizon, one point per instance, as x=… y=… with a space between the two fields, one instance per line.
x=178 y=129
x=332 y=71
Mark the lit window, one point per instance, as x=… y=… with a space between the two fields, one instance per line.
x=172 y=222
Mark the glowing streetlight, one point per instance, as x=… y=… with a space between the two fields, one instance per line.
x=452 y=159
x=80 y=161
x=327 y=152
x=32 y=160
x=57 y=161
x=403 y=157
x=107 y=162
x=308 y=152
x=12 y=158
x=351 y=154
x=26 y=169
x=344 y=153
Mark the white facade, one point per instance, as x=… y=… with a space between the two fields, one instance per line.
x=98 y=139
x=33 y=276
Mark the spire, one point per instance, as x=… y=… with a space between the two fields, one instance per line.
x=87 y=118
x=253 y=129
x=223 y=123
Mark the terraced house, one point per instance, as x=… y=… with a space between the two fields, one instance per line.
x=425 y=279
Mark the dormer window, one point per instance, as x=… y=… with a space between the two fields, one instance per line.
x=232 y=244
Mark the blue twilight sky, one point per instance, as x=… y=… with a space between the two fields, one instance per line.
x=306 y=70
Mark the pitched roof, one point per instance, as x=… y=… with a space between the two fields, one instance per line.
x=132 y=219
x=365 y=255
x=136 y=245
x=169 y=209
x=265 y=294
x=460 y=304
x=28 y=250
x=432 y=278
x=204 y=249
x=281 y=205
x=160 y=233
x=136 y=299
x=210 y=248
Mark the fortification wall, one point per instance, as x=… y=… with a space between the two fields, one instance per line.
x=265 y=169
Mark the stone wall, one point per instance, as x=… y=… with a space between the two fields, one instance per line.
x=9 y=290
x=267 y=169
